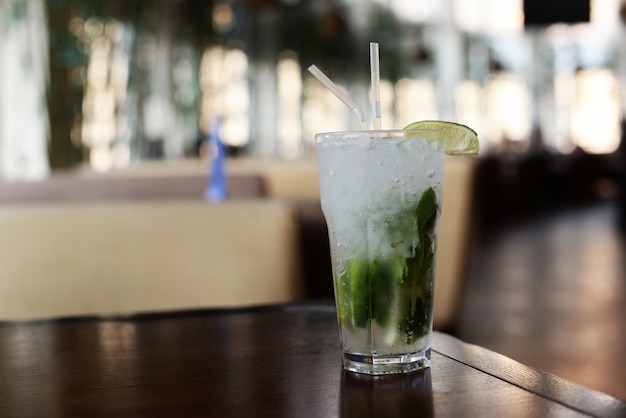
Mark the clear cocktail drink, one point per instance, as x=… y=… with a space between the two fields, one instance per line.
x=381 y=197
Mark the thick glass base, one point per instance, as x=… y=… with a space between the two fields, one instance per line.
x=386 y=364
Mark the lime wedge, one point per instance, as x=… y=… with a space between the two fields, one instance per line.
x=360 y=291
x=455 y=138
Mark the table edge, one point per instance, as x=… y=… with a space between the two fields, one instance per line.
x=544 y=384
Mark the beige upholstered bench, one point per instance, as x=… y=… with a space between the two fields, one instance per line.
x=126 y=257
x=455 y=237
x=129 y=185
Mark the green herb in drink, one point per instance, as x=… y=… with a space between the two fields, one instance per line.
x=366 y=287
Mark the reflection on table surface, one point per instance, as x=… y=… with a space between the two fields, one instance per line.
x=389 y=396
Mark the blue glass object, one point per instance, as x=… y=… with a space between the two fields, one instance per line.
x=217 y=188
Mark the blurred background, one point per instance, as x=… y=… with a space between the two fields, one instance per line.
x=105 y=85
x=100 y=88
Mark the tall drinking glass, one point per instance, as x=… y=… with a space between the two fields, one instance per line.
x=381 y=197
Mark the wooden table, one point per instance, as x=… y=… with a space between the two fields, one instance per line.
x=276 y=361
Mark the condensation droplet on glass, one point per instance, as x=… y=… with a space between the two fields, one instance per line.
x=379 y=162
x=331 y=172
x=431 y=173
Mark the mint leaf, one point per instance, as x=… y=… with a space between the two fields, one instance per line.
x=415 y=320
x=426 y=212
x=383 y=276
x=417 y=324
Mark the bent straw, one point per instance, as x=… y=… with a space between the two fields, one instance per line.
x=375 y=73
x=341 y=95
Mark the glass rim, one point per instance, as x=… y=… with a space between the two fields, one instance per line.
x=370 y=132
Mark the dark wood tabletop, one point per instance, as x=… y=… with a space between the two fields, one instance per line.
x=273 y=361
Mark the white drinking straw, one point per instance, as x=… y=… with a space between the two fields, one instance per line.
x=375 y=72
x=342 y=95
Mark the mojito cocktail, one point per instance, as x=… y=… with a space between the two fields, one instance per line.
x=381 y=197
